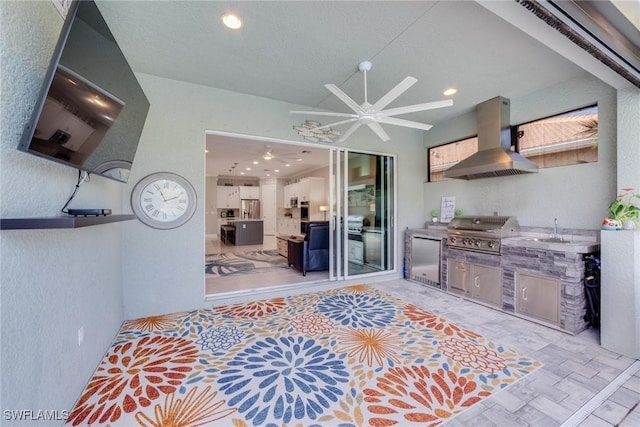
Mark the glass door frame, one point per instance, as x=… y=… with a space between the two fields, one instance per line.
x=339 y=211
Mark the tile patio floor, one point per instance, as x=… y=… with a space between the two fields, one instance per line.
x=575 y=368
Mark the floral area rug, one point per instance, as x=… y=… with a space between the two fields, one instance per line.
x=353 y=356
x=229 y=264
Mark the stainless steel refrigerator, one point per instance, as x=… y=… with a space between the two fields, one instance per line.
x=250 y=209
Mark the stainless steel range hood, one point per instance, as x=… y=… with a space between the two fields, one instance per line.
x=494 y=156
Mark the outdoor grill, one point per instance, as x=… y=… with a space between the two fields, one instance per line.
x=481 y=233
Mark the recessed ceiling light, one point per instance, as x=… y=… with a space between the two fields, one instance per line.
x=206 y=151
x=277 y=170
x=248 y=169
x=287 y=165
x=298 y=159
x=255 y=162
x=268 y=174
x=241 y=173
x=231 y=21
x=450 y=91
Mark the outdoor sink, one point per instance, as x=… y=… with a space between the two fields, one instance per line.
x=548 y=240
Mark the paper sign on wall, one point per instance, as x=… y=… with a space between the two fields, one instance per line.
x=447 y=209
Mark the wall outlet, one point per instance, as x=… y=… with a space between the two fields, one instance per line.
x=80 y=336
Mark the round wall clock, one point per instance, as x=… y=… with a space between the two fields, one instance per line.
x=163 y=200
x=116 y=169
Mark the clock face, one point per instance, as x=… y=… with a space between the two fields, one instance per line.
x=116 y=169
x=163 y=200
x=121 y=174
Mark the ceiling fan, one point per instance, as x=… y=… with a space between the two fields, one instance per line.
x=373 y=115
x=268 y=154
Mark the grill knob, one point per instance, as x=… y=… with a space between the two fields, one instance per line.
x=452 y=239
x=477 y=243
x=465 y=241
x=491 y=243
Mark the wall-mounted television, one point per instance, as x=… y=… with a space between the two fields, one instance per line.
x=91 y=109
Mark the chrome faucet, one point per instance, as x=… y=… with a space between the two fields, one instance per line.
x=555 y=230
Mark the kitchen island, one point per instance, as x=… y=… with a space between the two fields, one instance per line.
x=246 y=231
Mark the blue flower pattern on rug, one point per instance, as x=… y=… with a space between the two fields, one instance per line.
x=358 y=310
x=222 y=338
x=291 y=378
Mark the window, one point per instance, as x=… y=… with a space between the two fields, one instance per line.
x=567 y=139
x=444 y=156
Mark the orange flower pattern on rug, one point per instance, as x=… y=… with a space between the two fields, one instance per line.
x=431 y=321
x=132 y=375
x=253 y=309
x=153 y=323
x=352 y=356
x=472 y=355
x=194 y=410
x=418 y=395
x=370 y=345
x=312 y=324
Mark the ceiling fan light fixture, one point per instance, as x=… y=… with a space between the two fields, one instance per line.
x=373 y=115
x=231 y=21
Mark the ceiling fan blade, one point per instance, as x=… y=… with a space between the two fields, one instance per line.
x=348 y=133
x=325 y=113
x=341 y=122
x=344 y=97
x=394 y=93
x=379 y=131
x=405 y=123
x=416 y=107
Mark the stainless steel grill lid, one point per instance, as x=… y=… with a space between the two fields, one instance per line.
x=481 y=233
x=498 y=226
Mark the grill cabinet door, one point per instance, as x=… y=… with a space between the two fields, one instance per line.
x=458 y=276
x=538 y=297
x=486 y=284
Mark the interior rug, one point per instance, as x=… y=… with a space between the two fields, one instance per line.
x=353 y=356
x=228 y=264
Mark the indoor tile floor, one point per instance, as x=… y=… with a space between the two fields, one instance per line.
x=239 y=283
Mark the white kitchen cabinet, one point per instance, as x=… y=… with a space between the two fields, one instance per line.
x=289 y=226
x=538 y=297
x=475 y=281
x=287 y=197
x=247 y=192
x=283 y=247
x=311 y=190
x=228 y=197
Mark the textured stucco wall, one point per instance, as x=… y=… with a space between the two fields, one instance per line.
x=577 y=195
x=52 y=282
x=163 y=269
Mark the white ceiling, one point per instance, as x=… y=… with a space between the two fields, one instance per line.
x=288 y=50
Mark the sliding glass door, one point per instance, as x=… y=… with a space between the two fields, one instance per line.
x=362 y=207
